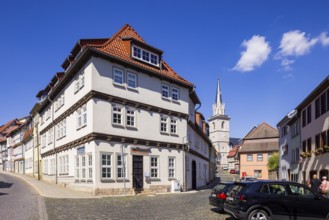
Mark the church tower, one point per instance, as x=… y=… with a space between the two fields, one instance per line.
x=219 y=129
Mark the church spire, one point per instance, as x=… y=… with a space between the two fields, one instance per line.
x=218 y=106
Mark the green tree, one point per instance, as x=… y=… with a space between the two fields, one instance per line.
x=273 y=163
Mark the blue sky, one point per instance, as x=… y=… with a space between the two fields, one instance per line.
x=269 y=54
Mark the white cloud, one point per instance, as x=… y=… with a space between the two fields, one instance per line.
x=324 y=39
x=294 y=43
x=285 y=63
x=255 y=54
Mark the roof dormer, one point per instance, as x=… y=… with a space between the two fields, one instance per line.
x=143 y=52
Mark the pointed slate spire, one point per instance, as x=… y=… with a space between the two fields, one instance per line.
x=218 y=106
x=218 y=100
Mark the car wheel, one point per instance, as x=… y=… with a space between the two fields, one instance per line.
x=258 y=214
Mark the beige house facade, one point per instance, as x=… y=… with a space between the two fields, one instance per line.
x=257 y=146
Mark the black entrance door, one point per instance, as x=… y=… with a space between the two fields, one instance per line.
x=193 y=175
x=138 y=172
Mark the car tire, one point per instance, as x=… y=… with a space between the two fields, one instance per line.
x=258 y=214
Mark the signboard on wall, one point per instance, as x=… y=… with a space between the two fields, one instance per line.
x=142 y=151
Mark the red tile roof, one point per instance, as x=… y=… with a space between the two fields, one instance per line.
x=233 y=152
x=11 y=129
x=4 y=127
x=2 y=139
x=27 y=134
x=119 y=46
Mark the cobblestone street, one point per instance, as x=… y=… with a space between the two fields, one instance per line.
x=192 y=205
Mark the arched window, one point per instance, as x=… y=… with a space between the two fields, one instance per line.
x=223 y=124
x=213 y=125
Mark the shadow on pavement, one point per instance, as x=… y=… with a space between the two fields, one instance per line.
x=3 y=194
x=5 y=185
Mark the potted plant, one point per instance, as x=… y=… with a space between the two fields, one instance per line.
x=303 y=154
x=326 y=148
x=308 y=154
x=320 y=150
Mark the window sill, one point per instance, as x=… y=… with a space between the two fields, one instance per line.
x=133 y=89
x=122 y=180
x=155 y=179
x=176 y=101
x=121 y=86
x=132 y=128
x=118 y=125
x=167 y=99
x=174 y=134
x=107 y=181
x=173 y=178
x=164 y=133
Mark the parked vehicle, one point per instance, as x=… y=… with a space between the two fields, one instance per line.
x=218 y=195
x=232 y=171
x=265 y=199
x=248 y=178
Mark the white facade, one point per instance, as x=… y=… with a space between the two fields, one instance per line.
x=289 y=147
x=112 y=129
x=219 y=127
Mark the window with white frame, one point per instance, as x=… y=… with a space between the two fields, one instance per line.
x=44 y=140
x=106 y=166
x=50 y=136
x=61 y=129
x=130 y=117
x=171 y=167
x=83 y=168
x=117 y=115
x=173 y=125
x=82 y=116
x=249 y=157
x=154 y=59
x=174 y=93
x=79 y=82
x=258 y=173
x=90 y=166
x=64 y=165
x=118 y=76
x=145 y=55
x=165 y=91
x=154 y=167
x=137 y=52
x=45 y=166
x=132 y=80
x=121 y=166
x=163 y=123
x=260 y=157
x=52 y=166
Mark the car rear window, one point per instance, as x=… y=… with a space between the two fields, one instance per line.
x=238 y=189
x=221 y=187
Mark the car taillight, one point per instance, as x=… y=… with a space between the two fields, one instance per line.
x=242 y=198
x=221 y=196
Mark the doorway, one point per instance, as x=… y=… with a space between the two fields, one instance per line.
x=193 y=174
x=138 y=172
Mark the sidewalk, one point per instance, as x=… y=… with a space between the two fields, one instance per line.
x=51 y=190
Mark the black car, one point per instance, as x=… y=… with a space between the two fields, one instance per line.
x=265 y=199
x=218 y=195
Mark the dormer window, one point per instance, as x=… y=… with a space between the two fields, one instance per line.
x=145 y=55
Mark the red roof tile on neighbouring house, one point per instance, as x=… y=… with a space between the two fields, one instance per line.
x=11 y=129
x=4 y=127
x=233 y=152
x=27 y=134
